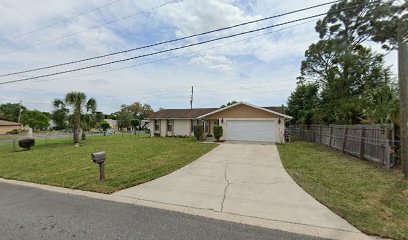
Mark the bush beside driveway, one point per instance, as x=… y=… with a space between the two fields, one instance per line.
x=369 y=197
x=130 y=161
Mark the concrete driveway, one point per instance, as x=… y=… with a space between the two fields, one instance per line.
x=240 y=178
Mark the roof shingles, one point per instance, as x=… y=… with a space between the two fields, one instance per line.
x=193 y=113
x=8 y=123
x=181 y=113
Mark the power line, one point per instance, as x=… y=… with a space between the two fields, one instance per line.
x=177 y=56
x=158 y=52
x=63 y=20
x=168 y=50
x=88 y=29
x=168 y=41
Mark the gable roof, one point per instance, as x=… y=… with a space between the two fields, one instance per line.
x=8 y=123
x=279 y=109
x=250 y=105
x=180 y=113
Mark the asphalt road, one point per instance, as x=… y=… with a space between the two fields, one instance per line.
x=30 y=213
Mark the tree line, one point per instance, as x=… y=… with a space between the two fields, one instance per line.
x=342 y=80
x=75 y=112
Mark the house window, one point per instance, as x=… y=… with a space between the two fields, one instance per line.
x=156 y=125
x=169 y=125
x=206 y=126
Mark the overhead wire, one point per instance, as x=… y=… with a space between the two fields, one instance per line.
x=86 y=30
x=163 y=51
x=171 y=49
x=176 y=56
x=168 y=41
x=18 y=35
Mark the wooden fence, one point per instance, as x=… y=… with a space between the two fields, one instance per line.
x=371 y=142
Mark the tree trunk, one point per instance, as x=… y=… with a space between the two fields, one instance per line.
x=77 y=126
x=83 y=135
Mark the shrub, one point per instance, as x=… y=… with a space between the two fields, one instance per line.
x=218 y=132
x=156 y=134
x=179 y=136
x=26 y=143
x=14 y=131
x=135 y=124
x=198 y=132
x=105 y=126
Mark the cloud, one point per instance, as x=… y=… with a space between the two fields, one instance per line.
x=218 y=63
x=262 y=69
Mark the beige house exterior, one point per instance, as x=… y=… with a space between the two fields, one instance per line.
x=7 y=126
x=241 y=122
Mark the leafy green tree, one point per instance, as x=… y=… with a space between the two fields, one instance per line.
x=110 y=116
x=60 y=114
x=139 y=111
x=135 y=124
x=104 y=126
x=303 y=102
x=381 y=105
x=10 y=111
x=35 y=119
x=78 y=102
x=228 y=104
x=123 y=119
x=341 y=65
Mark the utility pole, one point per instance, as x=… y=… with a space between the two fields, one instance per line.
x=19 y=114
x=403 y=96
x=192 y=95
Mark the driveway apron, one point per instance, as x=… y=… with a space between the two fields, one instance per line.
x=246 y=179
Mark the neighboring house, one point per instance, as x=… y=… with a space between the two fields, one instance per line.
x=241 y=122
x=145 y=124
x=51 y=125
x=7 y=126
x=113 y=124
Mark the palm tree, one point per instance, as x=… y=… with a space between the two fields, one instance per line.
x=59 y=115
x=77 y=101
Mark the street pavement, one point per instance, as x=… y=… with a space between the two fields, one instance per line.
x=31 y=213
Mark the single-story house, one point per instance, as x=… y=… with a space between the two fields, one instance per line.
x=113 y=124
x=7 y=126
x=241 y=122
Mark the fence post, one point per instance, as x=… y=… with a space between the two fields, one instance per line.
x=392 y=145
x=331 y=135
x=321 y=129
x=312 y=130
x=315 y=135
x=387 y=147
x=362 y=142
x=344 y=138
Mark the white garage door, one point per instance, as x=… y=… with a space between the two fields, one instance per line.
x=251 y=130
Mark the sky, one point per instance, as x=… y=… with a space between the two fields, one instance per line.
x=259 y=68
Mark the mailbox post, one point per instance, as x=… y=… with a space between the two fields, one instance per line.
x=99 y=158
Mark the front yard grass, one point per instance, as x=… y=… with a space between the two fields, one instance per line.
x=368 y=196
x=131 y=160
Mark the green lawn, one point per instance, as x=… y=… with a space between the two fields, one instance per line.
x=130 y=161
x=369 y=197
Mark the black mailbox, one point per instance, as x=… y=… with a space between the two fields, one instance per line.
x=98 y=157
